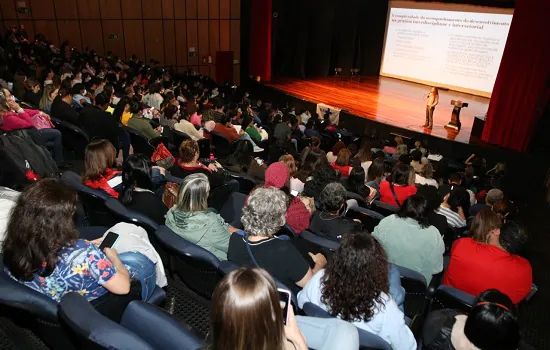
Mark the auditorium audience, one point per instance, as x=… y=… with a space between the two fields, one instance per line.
x=355 y=287
x=332 y=155
x=263 y=216
x=330 y=222
x=491 y=261
x=99 y=157
x=492 y=323
x=247 y=299
x=397 y=188
x=191 y=219
x=137 y=188
x=43 y=251
x=410 y=241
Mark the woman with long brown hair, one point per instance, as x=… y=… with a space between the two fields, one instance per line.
x=355 y=287
x=246 y=314
x=99 y=157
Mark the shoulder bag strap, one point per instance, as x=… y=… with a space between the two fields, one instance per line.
x=394 y=195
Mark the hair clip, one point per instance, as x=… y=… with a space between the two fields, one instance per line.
x=489 y=303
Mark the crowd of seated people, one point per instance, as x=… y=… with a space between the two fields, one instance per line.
x=299 y=187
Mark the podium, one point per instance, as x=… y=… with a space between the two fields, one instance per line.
x=455 y=116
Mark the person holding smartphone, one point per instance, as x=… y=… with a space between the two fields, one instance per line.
x=42 y=251
x=247 y=300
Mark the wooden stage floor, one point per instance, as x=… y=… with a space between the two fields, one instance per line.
x=387 y=100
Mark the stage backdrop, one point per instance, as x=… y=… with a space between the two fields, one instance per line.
x=312 y=37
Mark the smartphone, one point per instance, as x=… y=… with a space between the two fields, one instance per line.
x=109 y=241
x=294 y=193
x=259 y=161
x=532 y=292
x=284 y=300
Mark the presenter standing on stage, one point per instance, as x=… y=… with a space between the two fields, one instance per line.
x=431 y=101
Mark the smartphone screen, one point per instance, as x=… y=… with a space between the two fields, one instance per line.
x=109 y=241
x=294 y=193
x=284 y=299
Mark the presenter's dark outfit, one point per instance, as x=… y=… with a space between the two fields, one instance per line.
x=431 y=102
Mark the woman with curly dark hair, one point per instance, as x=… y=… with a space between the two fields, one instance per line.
x=355 y=287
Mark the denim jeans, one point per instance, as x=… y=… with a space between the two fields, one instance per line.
x=328 y=333
x=53 y=140
x=143 y=269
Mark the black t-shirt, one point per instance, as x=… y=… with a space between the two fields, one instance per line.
x=278 y=257
x=439 y=221
x=332 y=226
x=150 y=205
x=63 y=111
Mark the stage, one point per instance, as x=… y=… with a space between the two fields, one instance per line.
x=390 y=101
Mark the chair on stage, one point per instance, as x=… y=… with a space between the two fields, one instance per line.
x=338 y=77
x=354 y=75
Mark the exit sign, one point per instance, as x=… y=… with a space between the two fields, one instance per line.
x=113 y=36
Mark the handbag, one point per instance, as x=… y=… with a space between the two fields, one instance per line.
x=41 y=122
x=170 y=194
x=163 y=157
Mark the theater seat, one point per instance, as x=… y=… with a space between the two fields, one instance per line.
x=140 y=143
x=93 y=200
x=232 y=210
x=384 y=208
x=320 y=241
x=221 y=144
x=74 y=138
x=447 y=297
x=366 y=339
x=195 y=266
x=159 y=328
x=370 y=219
x=416 y=290
x=32 y=310
x=90 y=328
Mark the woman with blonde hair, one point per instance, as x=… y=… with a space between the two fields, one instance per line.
x=246 y=314
x=191 y=219
x=50 y=93
x=485 y=223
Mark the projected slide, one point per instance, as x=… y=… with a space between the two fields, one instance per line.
x=458 y=50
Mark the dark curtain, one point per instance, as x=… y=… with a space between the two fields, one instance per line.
x=521 y=88
x=312 y=37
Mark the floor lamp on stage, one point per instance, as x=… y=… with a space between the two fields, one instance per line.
x=455 y=116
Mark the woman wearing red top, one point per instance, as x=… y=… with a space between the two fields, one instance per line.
x=492 y=263
x=399 y=183
x=342 y=162
x=99 y=157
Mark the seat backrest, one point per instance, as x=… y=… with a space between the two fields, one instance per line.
x=93 y=200
x=179 y=137
x=221 y=143
x=412 y=281
x=159 y=328
x=246 y=183
x=89 y=327
x=74 y=138
x=447 y=297
x=320 y=241
x=33 y=310
x=384 y=208
x=218 y=196
x=366 y=339
x=360 y=200
x=195 y=266
x=139 y=142
x=127 y=215
x=232 y=209
x=370 y=219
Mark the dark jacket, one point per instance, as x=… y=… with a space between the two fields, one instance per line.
x=99 y=124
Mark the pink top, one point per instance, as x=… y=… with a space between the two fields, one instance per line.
x=196 y=119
